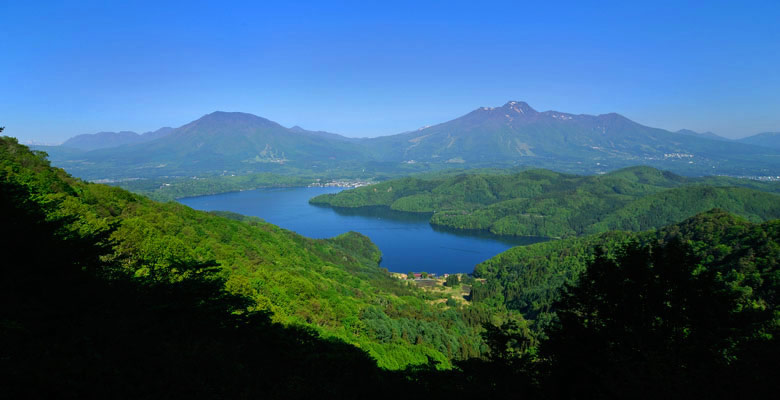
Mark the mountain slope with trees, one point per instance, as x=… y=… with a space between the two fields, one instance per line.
x=529 y=278
x=691 y=313
x=75 y=324
x=332 y=286
x=547 y=203
x=108 y=294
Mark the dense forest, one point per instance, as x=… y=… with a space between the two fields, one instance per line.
x=528 y=279
x=332 y=286
x=551 y=204
x=107 y=293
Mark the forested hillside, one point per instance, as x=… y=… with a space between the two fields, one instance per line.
x=679 y=312
x=109 y=294
x=528 y=279
x=75 y=324
x=333 y=286
x=547 y=203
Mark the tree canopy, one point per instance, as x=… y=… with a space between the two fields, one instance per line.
x=552 y=204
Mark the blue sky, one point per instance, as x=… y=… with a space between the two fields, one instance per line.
x=374 y=68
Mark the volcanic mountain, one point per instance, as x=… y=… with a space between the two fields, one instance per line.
x=511 y=135
x=517 y=132
x=217 y=142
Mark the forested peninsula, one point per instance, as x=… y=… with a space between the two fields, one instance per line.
x=552 y=204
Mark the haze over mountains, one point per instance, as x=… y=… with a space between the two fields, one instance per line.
x=102 y=140
x=514 y=134
x=766 y=139
x=703 y=135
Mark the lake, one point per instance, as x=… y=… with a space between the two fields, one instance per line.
x=407 y=241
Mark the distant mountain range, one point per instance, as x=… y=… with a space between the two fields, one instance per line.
x=703 y=135
x=102 y=140
x=517 y=132
x=766 y=139
x=511 y=135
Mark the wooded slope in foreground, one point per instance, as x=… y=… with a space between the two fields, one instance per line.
x=529 y=279
x=332 y=286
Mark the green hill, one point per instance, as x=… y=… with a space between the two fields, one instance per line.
x=75 y=324
x=547 y=203
x=332 y=286
x=109 y=294
x=529 y=278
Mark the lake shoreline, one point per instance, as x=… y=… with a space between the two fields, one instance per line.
x=407 y=241
x=438 y=227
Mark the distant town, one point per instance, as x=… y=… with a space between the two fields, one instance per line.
x=343 y=183
x=765 y=178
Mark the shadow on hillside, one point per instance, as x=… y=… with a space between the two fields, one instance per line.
x=73 y=325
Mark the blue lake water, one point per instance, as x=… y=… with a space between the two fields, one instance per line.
x=407 y=241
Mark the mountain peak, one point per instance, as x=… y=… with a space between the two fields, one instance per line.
x=229 y=114
x=519 y=107
x=233 y=117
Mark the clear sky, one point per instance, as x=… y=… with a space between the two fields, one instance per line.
x=373 y=68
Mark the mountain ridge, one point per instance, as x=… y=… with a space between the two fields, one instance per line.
x=513 y=134
x=765 y=139
x=517 y=132
x=101 y=140
x=703 y=135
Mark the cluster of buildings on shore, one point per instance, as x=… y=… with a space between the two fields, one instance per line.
x=678 y=155
x=421 y=276
x=765 y=178
x=343 y=183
